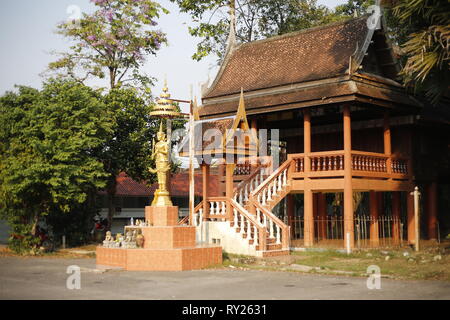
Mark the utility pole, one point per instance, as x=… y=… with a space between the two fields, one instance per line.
x=416 y=195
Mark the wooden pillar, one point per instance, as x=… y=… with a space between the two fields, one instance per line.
x=348 y=188
x=308 y=200
x=229 y=185
x=205 y=188
x=396 y=215
x=254 y=129
x=322 y=215
x=432 y=210
x=410 y=217
x=374 y=214
x=387 y=141
x=290 y=204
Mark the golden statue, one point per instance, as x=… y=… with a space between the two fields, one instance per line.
x=161 y=155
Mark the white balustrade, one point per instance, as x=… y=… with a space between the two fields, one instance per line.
x=278 y=234
x=271 y=230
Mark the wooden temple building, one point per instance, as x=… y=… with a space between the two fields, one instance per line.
x=352 y=146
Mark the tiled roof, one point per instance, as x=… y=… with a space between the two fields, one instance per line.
x=179 y=184
x=307 y=55
x=294 y=97
x=332 y=92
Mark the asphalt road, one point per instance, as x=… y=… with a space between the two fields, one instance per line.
x=44 y=278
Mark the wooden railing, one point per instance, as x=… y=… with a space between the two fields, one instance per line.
x=370 y=162
x=249 y=227
x=245 y=187
x=331 y=163
x=274 y=184
x=184 y=221
x=240 y=219
x=275 y=228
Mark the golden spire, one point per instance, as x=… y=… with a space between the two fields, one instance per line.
x=165 y=107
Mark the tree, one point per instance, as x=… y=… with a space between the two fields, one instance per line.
x=128 y=148
x=112 y=42
x=47 y=142
x=255 y=19
x=353 y=8
x=424 y=29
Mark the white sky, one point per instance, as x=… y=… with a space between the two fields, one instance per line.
x=27 y=37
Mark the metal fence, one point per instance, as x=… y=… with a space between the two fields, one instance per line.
x=386 y=231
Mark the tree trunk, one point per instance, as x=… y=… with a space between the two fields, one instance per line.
x=35 y=221
x=111 y=201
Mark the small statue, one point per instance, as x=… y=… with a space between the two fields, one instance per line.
x=128 y=243
x=140 y=241
x=109 y=240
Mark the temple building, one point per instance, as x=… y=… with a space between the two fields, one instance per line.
x=353 y=144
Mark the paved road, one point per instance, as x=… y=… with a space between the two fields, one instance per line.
x=43 y=278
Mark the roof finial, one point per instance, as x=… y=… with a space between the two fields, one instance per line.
x=232 y=36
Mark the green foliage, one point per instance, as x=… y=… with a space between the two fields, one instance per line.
x=353 y=8
x=112 y=42
x=128 y=147
x=257 y=19
x=47 y=144
x=424 y=29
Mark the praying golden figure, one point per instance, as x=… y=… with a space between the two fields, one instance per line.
x=161 y=155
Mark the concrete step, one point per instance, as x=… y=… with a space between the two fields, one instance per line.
x=273 y=253
x=274 y=246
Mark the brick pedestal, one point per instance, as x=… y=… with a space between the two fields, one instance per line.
x=167 y=247
x=161 y=216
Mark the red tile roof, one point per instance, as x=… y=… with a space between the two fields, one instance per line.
x=179 y=184
x=307 y=55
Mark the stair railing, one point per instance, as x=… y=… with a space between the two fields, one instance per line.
x=248 y=225
x=276 y=228
x=245 y=187
x=274 y=184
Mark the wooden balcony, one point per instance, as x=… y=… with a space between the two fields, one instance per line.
x=368 y=168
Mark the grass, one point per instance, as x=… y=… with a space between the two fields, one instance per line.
x=417 y=266
x=412 y=266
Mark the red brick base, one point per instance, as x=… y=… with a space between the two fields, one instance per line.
x=167 y=247
x=179 y=259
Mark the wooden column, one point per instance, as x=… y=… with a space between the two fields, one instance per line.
x=374 y=213
x=432 y=211
x=410 y=217
x=205 y=187
x=396 y=215
x=308 y=200
x=387 y=141
x=229 y=181
x=254 y=129
x=222 y=179
x=322 y=215
x=290 y=204
x=348 y=188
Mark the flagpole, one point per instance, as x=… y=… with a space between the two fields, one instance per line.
x=191 y=165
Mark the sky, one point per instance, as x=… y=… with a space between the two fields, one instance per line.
x=27 y=38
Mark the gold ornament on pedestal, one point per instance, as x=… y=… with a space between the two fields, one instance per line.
x=161 y=156
x=164 y=109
